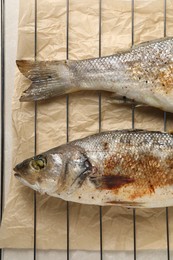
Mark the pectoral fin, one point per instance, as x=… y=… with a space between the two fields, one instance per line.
x=117 y=99
x=110 y=182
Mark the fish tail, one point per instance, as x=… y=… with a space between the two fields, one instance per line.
x=49 y=79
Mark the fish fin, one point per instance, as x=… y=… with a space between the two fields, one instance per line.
x=151 y=42
x=117 y=99
x=49 y=79
x=127 y=204
x=141 y=105
x=35 y=87
x=24 y=66
x=35 y=70
x=110 y=182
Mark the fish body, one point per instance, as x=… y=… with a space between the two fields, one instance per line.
x=130 y=168
x=143 y=73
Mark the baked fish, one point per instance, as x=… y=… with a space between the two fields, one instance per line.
x=129 y=168
x=143 y=74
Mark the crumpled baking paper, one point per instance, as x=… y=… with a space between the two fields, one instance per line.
x=18 y=218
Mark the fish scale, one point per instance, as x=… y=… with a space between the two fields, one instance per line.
x=143 y=73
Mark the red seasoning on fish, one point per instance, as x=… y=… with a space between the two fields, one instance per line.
x=130 y=168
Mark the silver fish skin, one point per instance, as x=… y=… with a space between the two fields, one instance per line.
x=128 y=168
x=143 y=73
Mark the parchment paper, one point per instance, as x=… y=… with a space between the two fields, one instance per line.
x=17 y=225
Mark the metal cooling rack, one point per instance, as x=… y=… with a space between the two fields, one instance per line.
x=2 y=107
x=67 y=125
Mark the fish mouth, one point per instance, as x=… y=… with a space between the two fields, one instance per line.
x=17 y=175
x=18 y=169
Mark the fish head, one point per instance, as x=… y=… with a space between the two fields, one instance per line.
x=41 y=173
x=60 y=171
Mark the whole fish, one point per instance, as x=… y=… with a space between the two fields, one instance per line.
x=130 y=168
x=143 y=74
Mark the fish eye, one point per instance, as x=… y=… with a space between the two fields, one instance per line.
x=38 y=163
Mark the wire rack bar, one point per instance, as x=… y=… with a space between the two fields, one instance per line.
x=100 y=31
x=2 y=108
x=35 y=134
x=100 y=50
x=134 y=232
x=165 y=5
x=35 y=41
x=67 y=126
x=132 y=39
x=165 y=121
x=100 y=118
x=167 y=233
x=2 y=101
x=132 y=16
x=164 y=34
x=133 y=126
